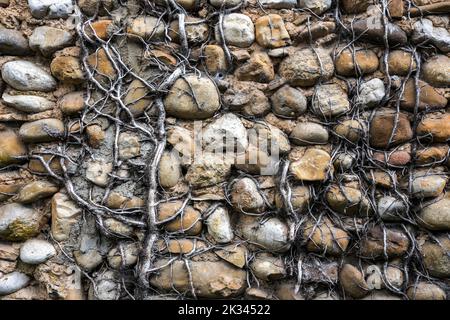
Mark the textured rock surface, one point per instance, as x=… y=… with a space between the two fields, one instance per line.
x=224 y=149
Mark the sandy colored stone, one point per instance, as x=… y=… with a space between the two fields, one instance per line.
x=100 y=62
x=352 y=130
x=352 y=281
x=365 y=60
x=215 y=59
x=136 y=99
x=11 y=147
x=67 y=69
x=425 y=291
x=382 y=126
x=302 y=68
x=100 y=28
x=95 y=135
x=400 y=62
x=270 y=31
x=313 y=165
x=72 y=103
x=65 y=214
x=325 y=237
x=435 y=127
x=210 y=279
x=35 y=191
x=435 y=71
x=45 y=130
x=188 y=222
x=258 y=68
x=431 y=154
x=429 y=97
x=435 y=255
x=372 y=245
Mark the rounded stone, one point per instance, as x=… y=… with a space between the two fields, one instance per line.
x=196 y=31
x=330 y=100
x=435 y=71
x=316 y=6
x=48 y=40
x=371 y=93
x=192 y=97
x=67 y=69
x=12 y=42
x=188 y=222
x=325 y=238
x=35 y=191
x=303 y=68
x=309 y=133
x=270 y=234
x=246 y=197
x=51 y=9
x=147 y=27
x=224 y=3
x=400 y=62
x=169 y=170
x=425 y=291
x=11 y=147
x=271 y=32
x=12 y=282
x=312 y=165
x=390 y=208
x=72 y=103
x=436 y=215
x=28 y=103
x=45 y=130
x=352 y=281
x=238 y=30
x=365 y=60
x=351 y=130
x=18 y=222
x=219 y=225
x=288 y=102
x=35 y=251
x=26 y=76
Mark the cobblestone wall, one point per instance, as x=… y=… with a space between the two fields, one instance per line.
x=273 y=149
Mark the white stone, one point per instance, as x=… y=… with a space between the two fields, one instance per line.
x=317 y=6
x=13 y=282
x=26 y=76
x=65 y=214
x=390 y=208
x=35 y=251
x=279 y=4
x=98 y=172
x=424 y=30
x=28 y=103
x=238 y=30
x=52 y=9
x=225 y=132
x=48 y=40
x=270 y=234
x=224 y=3
x=219 y=225
x=371 y=93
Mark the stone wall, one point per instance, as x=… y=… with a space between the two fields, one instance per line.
x=334 y=116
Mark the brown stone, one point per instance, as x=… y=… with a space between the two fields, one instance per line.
x=376 y=241
x=396 y=8
x=299 y=198
x=355 y=6
x=215 y=59
x=177 y=246
x=259 y=69
x=382 y=127
x=35 y=165
x=162 y=56
x=136 y=99
x=67 y=69
x=100 y=28
x=347 y=200
x=311 y=165
x=399 y=62
x=352 y=281
x=352 y=130
x=432 y=154
x=209 y=279
x=72 y=103
x=366 y=61
x=188 y=222
x=11 y=147
x=325 y=237
x=435 y=127
x=435 y=255
x=271 y=32
x=425 y=291
x=429 y=97
x=95 y=135
x=435 y=71
x=397 y=158
x=234 y=254
x=36 y=190
x=100 y=62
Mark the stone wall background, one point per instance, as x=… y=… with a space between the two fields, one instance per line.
x=97 y=96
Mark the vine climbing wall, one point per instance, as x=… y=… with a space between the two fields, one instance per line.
x=257 y=149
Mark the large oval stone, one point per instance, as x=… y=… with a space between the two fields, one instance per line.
x=27 y=76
